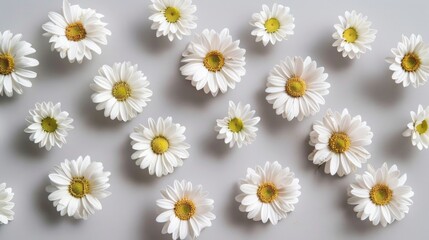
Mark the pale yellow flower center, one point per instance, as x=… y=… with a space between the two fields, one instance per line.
x=350 y=35
x=7 y=64
x=75 y=32
x=121 y=91
x=49 y=124
x=79 y=187
x=160 y=145
x=381 y=194
x=172 y=14
x=410 y=62
x=422 y=128
x=295 y=87
x=235 y=125
x=267 y=192
x=184 y=209
x=272 y=25
x=339 y=142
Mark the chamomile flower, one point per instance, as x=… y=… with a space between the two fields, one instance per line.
x=272 y=25
x=77 y=187
x=160 y=146
x=380 y=195
x=418 y=128
x=268 y=193
x=6 y=206
x=48 y=125
x=239 y=127
x=173 y=18
x=296 y=88
x=339 y=141
x=213 y=62
x=410 y=63
x=353 y=35
x=77 y=33
x=122 y=91
x=186 y=210
x=14 y=63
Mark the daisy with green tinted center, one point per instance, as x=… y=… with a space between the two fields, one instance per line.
x=417 y=129
x=272 y=25
x=239 y=128
x=48 y=125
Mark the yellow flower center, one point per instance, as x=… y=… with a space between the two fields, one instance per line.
x=235 y=125
x=339 y=142
x=121 y=91
x=411 y=62
x=49 y=124
x=214 y=61
x=350 y=35
x=267 y=192
x=295 y=87
x=172 y=14
x=79 y=187
x=160 y=145
x=422 y=128
x=272 y=25
x=7 y=64
x=75 y=32
x=381 y=194
x=184 y=209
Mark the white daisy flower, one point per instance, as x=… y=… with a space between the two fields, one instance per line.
x=239 y=127
x=410 y=63
x=14 y=63
x=77 y=187
x=268 y=193
x=339 y=142
x=272 y=25
x=380 y=195
x=418 y=128
x=185 y=211
x=122 y=91
x=173 y=18
x=354 y=35
x=6 y=206
x=77 y=33
x=213 y=62
x=49 y=126
x=160 y=147
x=296 y=88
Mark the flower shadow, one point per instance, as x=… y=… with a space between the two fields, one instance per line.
x=152 y=229
x=216 y=147
x=247 y=41
x=399 y=147
x=26 y=148
x=148 y=39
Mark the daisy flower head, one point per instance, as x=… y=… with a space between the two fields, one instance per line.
x=6 y=206
x=339 y=142
x=296 y=87
x=353 y=35
x=213 y=62
x=173 y=18
x=160 y=147
x=380 y=195
x=410 y=61
x=268 y=193
x=186 y=210
x=272 y=25
x=239 y=127
x=48 y=125
x=77 y=186
x=14 y=62
x=418 y=128
x=76 y=33
x=121 y=90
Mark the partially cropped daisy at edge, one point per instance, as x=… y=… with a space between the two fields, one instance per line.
x=6 y=204
x=268 y=193
x=272 y=25
x=173 y=18
x=380 y=195
x=213 y=62
x=417 y=130
x=353 y=35
x=160 y=147
x=239 y=127
x=186 y=210
x=339 y=142
x=410 y=63
x=77 y=33
x=122 y=91
x=77 y=187
x=296 y=88
x=14 y=63
x=48 y=125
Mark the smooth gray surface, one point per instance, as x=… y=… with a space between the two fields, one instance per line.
x=364 y=86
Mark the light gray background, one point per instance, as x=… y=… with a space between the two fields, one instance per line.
x=363 y=86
